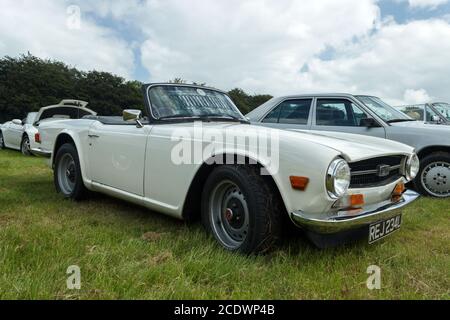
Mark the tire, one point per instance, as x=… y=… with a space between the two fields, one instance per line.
x=25 y=146
x=67 y=173
x=433 y=178
x=2 y=142
x=240 y=209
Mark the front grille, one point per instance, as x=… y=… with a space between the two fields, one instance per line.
x=376 y=171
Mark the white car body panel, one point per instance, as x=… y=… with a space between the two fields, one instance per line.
x=12 y=135
x=134 y=163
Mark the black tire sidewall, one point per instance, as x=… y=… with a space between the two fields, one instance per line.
x=24 y=151
x=433 y=157
x=79 y=189
x=259 y=214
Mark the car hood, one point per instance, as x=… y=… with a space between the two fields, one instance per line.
x=351 y=146
x=355 y=147
x=419 y=125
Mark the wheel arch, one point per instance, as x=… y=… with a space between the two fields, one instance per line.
x=25 y=134
x=192 y=202
x=431 y=149
x=68 y=137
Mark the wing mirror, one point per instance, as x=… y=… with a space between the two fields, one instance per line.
x=369 y=123
x=133 y=115
x=436 y=119
x=17 y=122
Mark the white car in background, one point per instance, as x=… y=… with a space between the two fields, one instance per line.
x=332 y=188
x=21 y=134
x=12 y=133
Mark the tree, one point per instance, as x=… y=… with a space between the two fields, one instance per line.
x=28 y=83
x=246 y=102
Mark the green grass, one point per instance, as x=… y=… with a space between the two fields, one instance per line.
x=42 y=234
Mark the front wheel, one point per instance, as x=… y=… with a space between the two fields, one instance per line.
x=434 y=175
x=67 y=173
x=25 y=146
x=240 y=209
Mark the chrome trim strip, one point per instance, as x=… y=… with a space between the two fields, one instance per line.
x=360 y=173
x=41 y=153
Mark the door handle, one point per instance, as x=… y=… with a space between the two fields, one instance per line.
x=93 y=136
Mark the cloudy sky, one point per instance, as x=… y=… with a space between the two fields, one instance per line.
x=396 y=49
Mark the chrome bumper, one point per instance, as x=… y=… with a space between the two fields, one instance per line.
x=41 y=153
x=338 y=222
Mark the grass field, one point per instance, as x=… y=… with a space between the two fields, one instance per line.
x=127 y=252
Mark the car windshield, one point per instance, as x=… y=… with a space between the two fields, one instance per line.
x=443 y=108
x=416 y=112
x=383 y=110
x=172 y=101
x=31 y=117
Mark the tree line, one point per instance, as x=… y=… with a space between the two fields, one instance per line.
x=28 y=83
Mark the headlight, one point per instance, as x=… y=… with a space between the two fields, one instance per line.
x=338 y=178
x=412 y=167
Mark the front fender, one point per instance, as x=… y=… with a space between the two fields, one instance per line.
x=67 y=135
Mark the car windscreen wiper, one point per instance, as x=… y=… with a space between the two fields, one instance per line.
x=399 y=120
x=179 y=116
x=222 y=116
x=204 y=117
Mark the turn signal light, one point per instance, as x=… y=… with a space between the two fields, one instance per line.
x=299 y=183
x=398 y=191
x=356 y=200
x=353 y=201
x=37 y=137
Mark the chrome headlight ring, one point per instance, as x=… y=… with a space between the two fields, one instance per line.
x=338 y=178
x=412 y=167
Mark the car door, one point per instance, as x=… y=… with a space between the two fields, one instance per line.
x=343 y=115
x=117 y=155
x=12 y=135
x=290 y=114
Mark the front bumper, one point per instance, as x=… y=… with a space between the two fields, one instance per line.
x=40 y=153
x=344 y=221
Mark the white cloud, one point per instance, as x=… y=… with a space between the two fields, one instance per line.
x=431 y=4
x=40 y=27
x=262 y=46
x=412 y=96
x=257 y=45
x=395 y=58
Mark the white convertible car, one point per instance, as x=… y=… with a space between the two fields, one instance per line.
x=196 y=155
x=21 y=134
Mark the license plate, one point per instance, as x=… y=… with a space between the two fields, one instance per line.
x=381 y=229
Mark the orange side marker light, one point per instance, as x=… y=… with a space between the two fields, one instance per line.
x=356 y=200
x=299 y=183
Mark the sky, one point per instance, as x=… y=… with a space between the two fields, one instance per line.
x=398 y=50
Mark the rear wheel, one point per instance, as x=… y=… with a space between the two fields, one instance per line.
x=25 y=146
x=2 y=142
x=434 y=175
x=240 y=209
x=67 y=173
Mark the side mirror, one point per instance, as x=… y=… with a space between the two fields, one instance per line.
x=133 y=115
x=436 y=119
x=17 y=122
x=369 y=123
